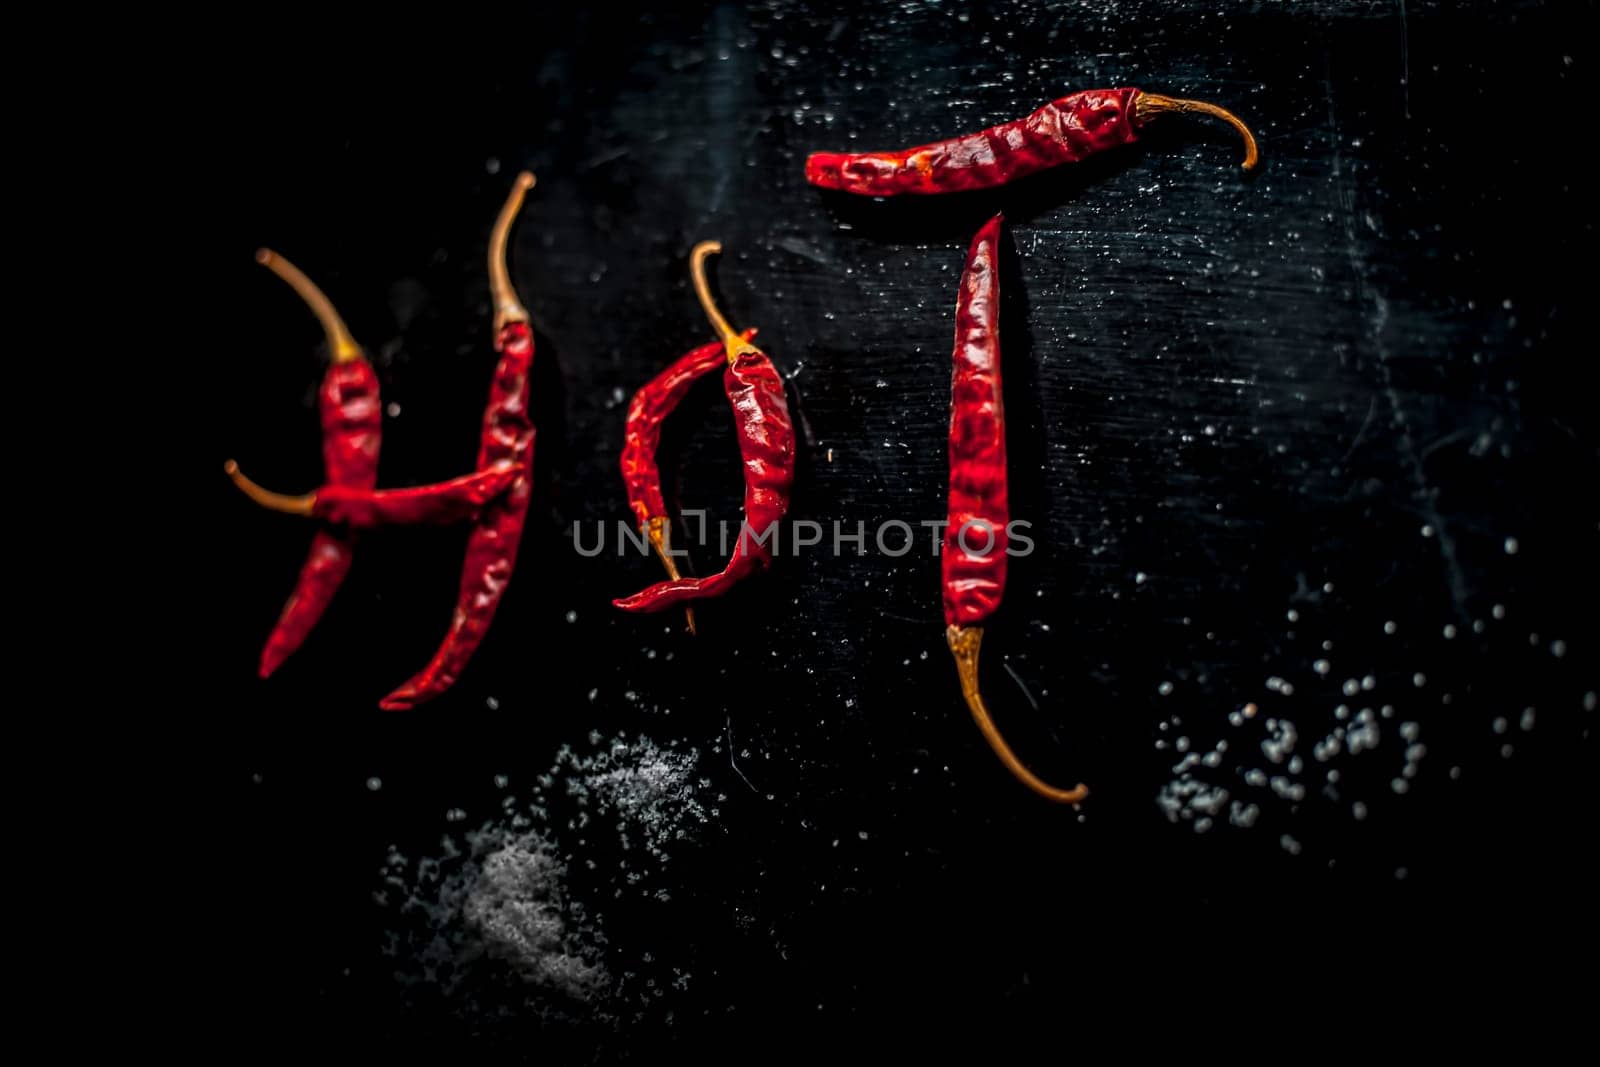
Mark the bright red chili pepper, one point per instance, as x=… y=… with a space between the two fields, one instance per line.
x=445 y=502
x=352 y=431
x=655 y=400
x=766 y=444
x=1063 y=131
x=507 y=436
x=973 y=558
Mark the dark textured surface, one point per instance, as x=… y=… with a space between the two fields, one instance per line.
x=1260 y=422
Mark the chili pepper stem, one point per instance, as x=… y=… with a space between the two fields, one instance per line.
x=661 y=541
x=735 y=345
x=507 y=308
x=289 y=505
x=341 y=344
x=1147 y=106
x=965 y=642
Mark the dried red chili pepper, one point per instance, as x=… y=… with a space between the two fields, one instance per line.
x=352 y=431
x=655 y=400
x=507 y=436
x=1063 y=131
x=766 y=444
x=445 y=502
x=975 y=571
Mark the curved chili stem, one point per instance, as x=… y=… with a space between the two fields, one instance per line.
x=341 y=344
x=656 y=530
x=1147 y=106
x=735 y=345
x=289 y=505
x=507 y=308
x=965 y=642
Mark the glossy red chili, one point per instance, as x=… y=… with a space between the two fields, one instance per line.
x=1063 y=131
x=973 y=558
x=507 y=437
x=766 y=444
x=352 y=432
x=655 y=400
x=445 y=502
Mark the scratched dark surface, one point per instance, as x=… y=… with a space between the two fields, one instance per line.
x=1313 y=441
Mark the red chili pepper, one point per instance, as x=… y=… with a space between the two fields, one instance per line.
x=445 y=502
x=655 y=400
x=974 y=555
x=1063 y=131
x=766 y=443
x=507 y=436
x=352 y=431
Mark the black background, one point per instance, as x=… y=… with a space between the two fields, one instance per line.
x=1334 y=388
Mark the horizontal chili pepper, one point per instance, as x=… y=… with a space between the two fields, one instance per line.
x=445 y=502
x=655 y=400
x=1063 y=131
x=766 y=444
x=973 y=558
x=507 y=436
x=352 y=431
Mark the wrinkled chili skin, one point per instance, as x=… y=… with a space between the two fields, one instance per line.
x=651 y=405
x=352 y=433
x=766 y=444
x=508 y=436
x=975 y=576
x=325 y=568
x=1067 y=130
x=453 y=501
x=352 y=424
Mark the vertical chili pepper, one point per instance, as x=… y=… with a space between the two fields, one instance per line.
x=507 y=435
x=443 y=502
x=655 y=400
x=1063 y=131
x=766 y=444
x=352 y=432
x=973 y=558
